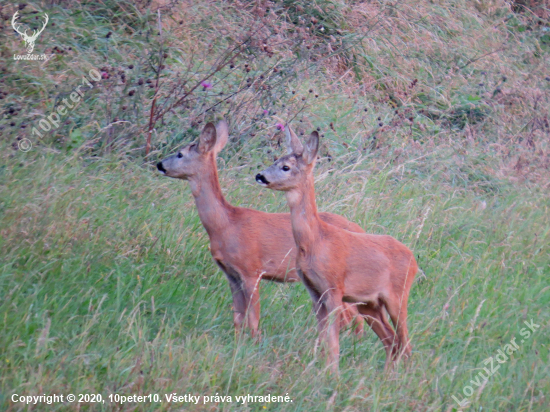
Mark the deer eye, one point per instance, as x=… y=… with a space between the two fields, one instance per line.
x=180 y=155
x=286 y=168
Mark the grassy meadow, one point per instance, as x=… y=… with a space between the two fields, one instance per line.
x=434 y=122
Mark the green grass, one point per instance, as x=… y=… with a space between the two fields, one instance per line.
x=434 y=123
x=109 y=287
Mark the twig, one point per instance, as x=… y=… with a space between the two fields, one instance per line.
x=480 y=57
x=153 y=121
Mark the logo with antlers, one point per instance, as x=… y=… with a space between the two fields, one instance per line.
x=23 y=29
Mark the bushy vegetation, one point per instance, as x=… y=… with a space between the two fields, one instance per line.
x=435 y=129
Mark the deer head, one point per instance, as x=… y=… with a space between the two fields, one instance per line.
x=291 y=171
x=29 y=40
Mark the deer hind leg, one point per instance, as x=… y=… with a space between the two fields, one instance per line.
x=397 y=308
x=377 y=320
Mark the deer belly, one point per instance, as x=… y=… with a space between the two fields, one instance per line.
x=359 y=298
x=280 y=272
x=364 y=289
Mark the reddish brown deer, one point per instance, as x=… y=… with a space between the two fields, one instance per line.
x=248 y=245
x=373 y=272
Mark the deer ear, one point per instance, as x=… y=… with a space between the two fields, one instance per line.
x=222 y=134
x=312 y=147
x=207 y=139
x=293 y=144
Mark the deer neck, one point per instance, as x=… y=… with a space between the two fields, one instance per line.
x=303 y=214
x=211 y=204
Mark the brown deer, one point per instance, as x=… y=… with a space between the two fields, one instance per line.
x=248 y=245
x=373 y=272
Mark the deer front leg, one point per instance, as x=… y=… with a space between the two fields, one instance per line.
x=328 y=331
x=333 y=305
x=246 y=298
x=321 y=313
x=237 y=292
x=239 y=301
x=318 y=308
x=251 y=288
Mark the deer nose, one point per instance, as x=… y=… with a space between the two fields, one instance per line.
x=161 y=168
x=261 y=179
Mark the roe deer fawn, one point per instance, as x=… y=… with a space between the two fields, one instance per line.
x=246 y=244
x=374 y=272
